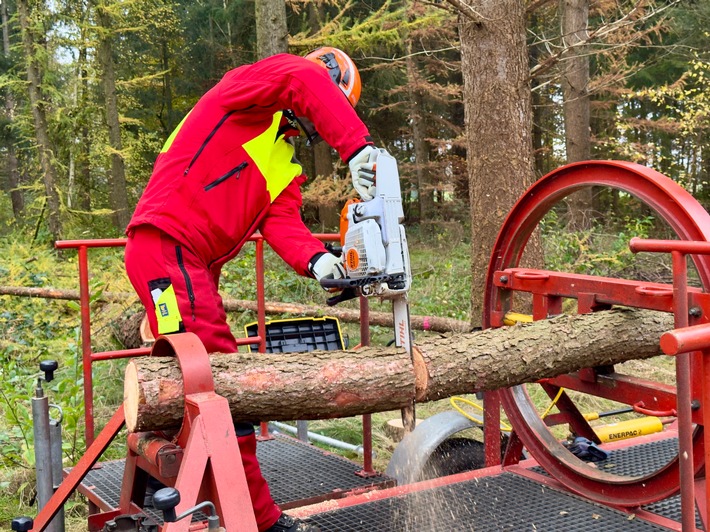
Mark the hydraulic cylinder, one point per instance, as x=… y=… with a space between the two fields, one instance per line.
x=43 y=451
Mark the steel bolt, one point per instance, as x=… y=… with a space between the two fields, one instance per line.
x=694 y=404
x=695 y=312
x=503 y=279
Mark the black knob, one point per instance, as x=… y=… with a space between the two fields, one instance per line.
x=22 y=524
x=48 y=367
x=166 y=499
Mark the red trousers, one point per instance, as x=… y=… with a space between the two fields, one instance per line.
x=180 y=294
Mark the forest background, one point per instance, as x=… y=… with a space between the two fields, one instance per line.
x=476 y=100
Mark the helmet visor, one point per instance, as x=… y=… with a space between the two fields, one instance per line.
x=332 y=65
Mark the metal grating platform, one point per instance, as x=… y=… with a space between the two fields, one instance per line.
x=297 y=474
x=506 y=502
x=638 y=460
x=103 y=486
x=641 y=459
x=670 y=509
x=300 y=474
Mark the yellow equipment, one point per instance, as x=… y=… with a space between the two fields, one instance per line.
x=630 y=428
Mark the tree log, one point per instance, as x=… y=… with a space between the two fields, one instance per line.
x=127 y=329
x=327 y=384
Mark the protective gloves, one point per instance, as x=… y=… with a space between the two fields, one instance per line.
x=326 y=266
x=362 y=169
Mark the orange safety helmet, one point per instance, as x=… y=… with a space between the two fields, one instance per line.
x=342 y=70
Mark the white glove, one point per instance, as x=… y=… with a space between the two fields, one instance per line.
x=362 y=168
x=327 y=266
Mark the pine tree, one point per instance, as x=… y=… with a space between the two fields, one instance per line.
x=31 y=17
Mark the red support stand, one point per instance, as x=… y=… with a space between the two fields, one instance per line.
x=211 y=468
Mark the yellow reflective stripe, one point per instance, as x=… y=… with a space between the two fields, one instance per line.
x=282 y=169
x=172 y=136
x=274 y=158
x=167 y=313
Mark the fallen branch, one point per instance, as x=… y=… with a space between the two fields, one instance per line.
x=383 y=319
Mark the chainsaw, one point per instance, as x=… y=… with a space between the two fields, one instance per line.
x=375 y=254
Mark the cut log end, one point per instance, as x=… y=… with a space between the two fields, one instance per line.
x=131 y=394
x=394 y=428
x=147 y=337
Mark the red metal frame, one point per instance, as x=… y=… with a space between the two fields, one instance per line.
x=688 y=219
x=82 y=247
x=681 y=342
x=198 y=410
x=690 y=222
x=89 y=356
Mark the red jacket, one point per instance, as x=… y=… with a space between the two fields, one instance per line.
x=227 y=171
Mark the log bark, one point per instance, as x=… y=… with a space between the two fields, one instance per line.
x=127 y=330
x=321 y=385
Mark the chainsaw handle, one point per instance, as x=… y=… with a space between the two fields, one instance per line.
x=341 y=284
x=335 y=250
x=338 y=284
x=348 y=289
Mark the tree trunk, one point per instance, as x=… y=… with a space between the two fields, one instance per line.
x=13 y=174
x=328 y=213
x=327 y=384
x=575 y=81
x=543 y=106
x=271 y=30
x=167 y=118
x=422 y=173
x=498 y=126
x=127 y=329
x=83 y=159
x=44 y=146
x=118 y=194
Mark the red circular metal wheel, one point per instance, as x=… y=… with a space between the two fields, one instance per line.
x=689 y=221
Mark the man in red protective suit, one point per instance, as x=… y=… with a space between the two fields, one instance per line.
x=226 y=171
